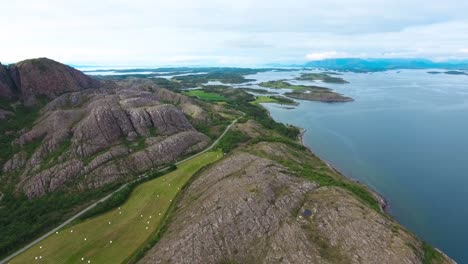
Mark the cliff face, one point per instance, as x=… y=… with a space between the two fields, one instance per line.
x=250 y=209
x=43 y=77
x=6 y=83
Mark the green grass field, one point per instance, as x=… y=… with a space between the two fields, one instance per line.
x=264 y=99
x=116 y=235
x=206 y=96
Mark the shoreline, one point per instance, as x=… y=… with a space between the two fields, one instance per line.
x=384 y=204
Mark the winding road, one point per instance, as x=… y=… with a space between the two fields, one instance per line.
x=144 y=175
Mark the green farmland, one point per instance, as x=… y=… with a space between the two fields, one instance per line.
x=206 y=96
x=114 y=236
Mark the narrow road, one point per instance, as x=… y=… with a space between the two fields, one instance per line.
x=214 y=143
x=109 y=195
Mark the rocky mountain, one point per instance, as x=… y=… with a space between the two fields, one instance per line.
x=250 y=208
x=68 y=139
x=97 y=137
x=88 y=138
x=41 y=77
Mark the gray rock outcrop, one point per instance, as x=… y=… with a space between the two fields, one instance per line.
x=247 y=209
x=95 y=137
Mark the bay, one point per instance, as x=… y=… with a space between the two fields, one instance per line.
x=406 y=136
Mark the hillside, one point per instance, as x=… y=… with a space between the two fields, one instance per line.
x=70 y=148
x=258 y=197
x=256 y=207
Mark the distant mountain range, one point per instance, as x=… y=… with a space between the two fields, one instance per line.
x=365 y=65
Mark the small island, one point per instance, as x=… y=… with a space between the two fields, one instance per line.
x=306 y=92
x=321 y=96
x=283 y=84
x=275 y=99
x=449 y=72
x=456 y=73
x=324 y=77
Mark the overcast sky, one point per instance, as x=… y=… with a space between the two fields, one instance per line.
x=235 y=32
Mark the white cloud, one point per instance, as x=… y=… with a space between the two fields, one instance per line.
x=241 y=32
x=323 y=55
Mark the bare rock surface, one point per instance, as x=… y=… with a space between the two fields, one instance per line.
x=94 y=137
x=248 y=209
x=47 y=78
x=192 y=108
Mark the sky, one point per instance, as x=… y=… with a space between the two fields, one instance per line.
x=230 y=33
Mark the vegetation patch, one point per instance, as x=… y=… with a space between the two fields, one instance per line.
x=307 y=92
x=22 y=219
x=431 y=255
x=324 y=77
x=231 y=140
x=307 y=168
x=206 y=96
x=324 y=179
x=120 y=197
x=136 y=145
x=274 y=99
x=282 y=84
x=326 y=250
x=114 y=236
x=54 y=156
x=258 y=91
x=214 y=128
x=23 y=117
x=225 y=76
x=88 y=159
x=241 y=100
x=168 y=84
x=319 y=95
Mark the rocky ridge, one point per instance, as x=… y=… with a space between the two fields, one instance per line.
x=103 y=136
x=92 y=137
x=251 y=209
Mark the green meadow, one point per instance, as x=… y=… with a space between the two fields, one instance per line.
x=115 y=236
x=206 y=96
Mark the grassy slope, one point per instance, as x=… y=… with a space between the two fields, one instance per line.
x=127 y=230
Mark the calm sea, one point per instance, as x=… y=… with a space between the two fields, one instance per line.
x=406 y=136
